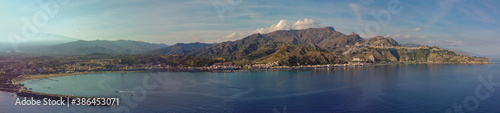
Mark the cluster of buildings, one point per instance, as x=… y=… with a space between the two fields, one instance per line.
x=34 y=65
x=71 y=64
x=275 y=65
x=269 y=65
x=214 y=67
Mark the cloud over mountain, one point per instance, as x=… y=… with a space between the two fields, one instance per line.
x=282 y=25
x=197 y=38
x=307 y=23
x=398 y=36
x=233 y=36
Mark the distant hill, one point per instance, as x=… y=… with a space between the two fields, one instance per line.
x=496 y=56
x=41 y=40
x=465 y=53
x=98 y=46
x=5 y=46
x=178 y=49
x=382 y=41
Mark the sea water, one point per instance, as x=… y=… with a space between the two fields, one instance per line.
x=386 y=88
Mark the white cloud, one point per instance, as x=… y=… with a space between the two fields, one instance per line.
x=367 y=36
x=454 y=42
x=398 y=36
x=393 y=36
x=231 y=37
x=431 y=42
x=282 y=25
x=414 y=29
x=307 y=23
x=406 y=36
x=197 y=38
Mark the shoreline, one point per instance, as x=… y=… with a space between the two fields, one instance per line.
x=23 y=90
x=23 y=78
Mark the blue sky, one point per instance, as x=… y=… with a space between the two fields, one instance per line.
x=458 y=24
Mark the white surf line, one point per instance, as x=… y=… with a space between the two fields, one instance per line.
x=259 y=98
x=105 y=87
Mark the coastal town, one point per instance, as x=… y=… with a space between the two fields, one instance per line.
x=16 y=69
x=73 y=64
x=19 y=68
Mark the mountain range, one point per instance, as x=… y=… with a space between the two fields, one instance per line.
x=82 y=47
x=286 y=47
x=178 y=49
x=320 y=46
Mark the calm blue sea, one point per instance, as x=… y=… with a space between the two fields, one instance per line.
x=388 y=88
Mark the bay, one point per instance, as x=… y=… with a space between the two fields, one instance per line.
x=385 y=88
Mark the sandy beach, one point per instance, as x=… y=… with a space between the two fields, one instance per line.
x=46 y=76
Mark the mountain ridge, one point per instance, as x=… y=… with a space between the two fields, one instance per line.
x=327 y=44
x=286 y=47
x=82 y=47
x=178 y=49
